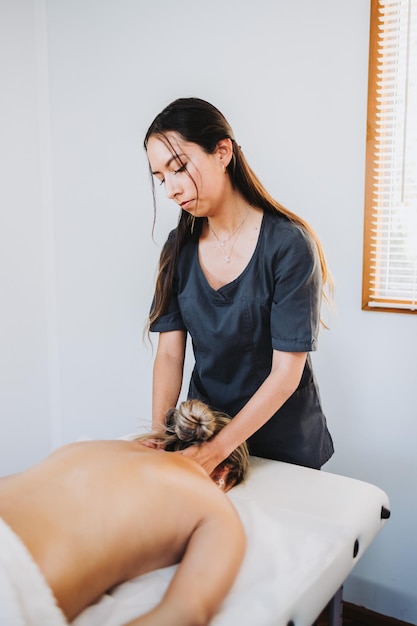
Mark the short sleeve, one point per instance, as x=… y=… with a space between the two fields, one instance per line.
x=295 y=312
x=172 y=318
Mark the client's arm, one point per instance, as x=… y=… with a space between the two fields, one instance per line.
x=205 y=574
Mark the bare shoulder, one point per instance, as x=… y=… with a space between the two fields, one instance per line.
x=190 y=483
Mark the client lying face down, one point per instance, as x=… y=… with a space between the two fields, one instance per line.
x=94 y=514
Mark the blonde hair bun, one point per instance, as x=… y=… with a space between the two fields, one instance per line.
x=193 y=421
x=192 y=424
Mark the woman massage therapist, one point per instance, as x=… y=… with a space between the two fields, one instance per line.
x=244 y=277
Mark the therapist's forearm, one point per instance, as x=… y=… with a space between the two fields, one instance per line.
x=268 y=399
x=167 y=382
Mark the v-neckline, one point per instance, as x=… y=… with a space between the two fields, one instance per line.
x=220 y=289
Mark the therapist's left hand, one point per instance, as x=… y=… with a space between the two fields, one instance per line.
x=204 y=455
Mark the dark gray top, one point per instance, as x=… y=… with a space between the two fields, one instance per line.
x=273 y=304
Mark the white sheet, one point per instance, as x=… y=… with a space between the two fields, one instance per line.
x=25 y=597
x=301 y=526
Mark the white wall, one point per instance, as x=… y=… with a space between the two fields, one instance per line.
x=84 y=79
x=24 y=365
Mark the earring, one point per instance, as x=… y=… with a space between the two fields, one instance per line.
x=220 y=483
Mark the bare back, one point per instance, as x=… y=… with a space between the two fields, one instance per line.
x=94 y=514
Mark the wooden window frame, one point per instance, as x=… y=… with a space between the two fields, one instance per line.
x=371 y=299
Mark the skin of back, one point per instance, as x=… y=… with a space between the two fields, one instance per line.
x=95 y=514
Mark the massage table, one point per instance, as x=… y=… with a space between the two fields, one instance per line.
x=306 y=530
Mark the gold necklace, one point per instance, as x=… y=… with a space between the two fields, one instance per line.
x=222 y=243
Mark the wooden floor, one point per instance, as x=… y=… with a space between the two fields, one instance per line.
x=359 y=616
x=348 y=620
x=324 y=620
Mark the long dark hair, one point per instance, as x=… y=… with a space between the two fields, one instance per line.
x=199 y=122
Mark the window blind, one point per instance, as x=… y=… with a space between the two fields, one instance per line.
x=390 y=245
